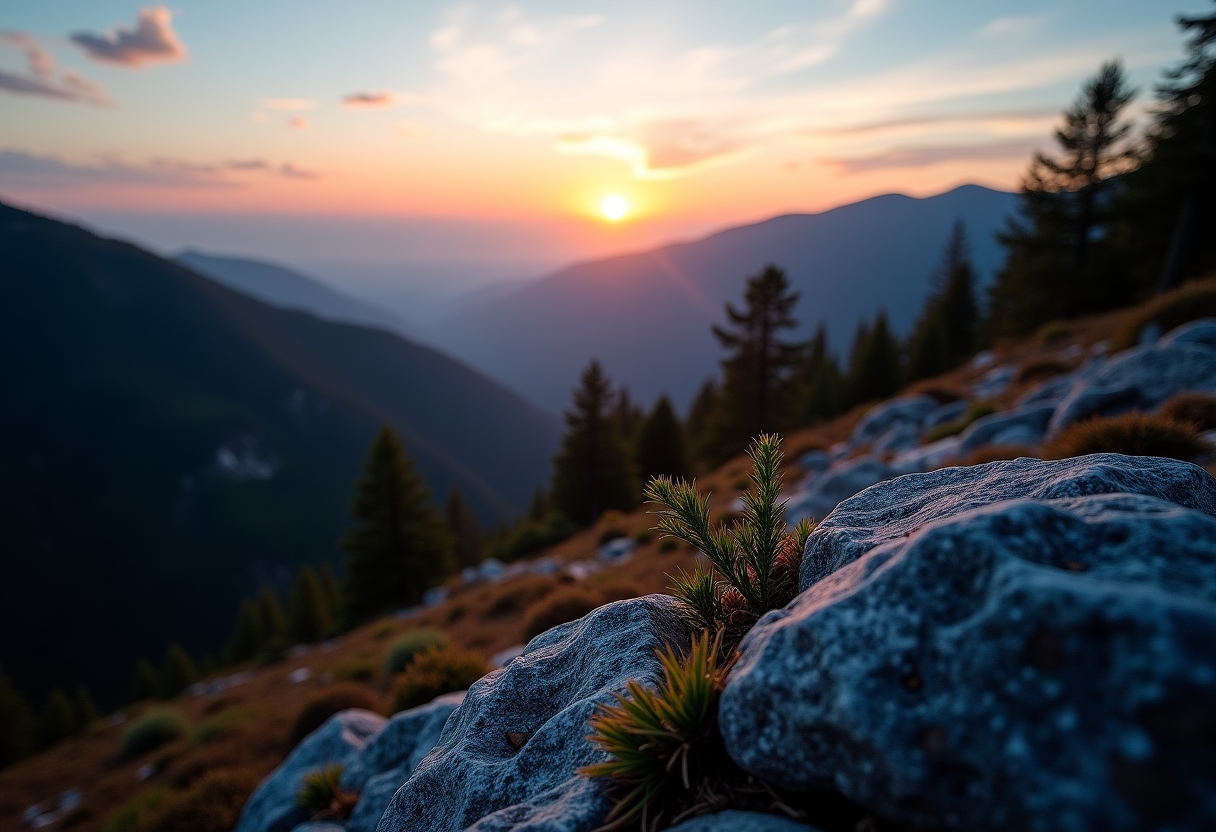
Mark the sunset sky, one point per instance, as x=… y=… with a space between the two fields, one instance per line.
x=378 y=132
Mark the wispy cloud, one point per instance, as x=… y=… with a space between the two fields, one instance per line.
x=378 y=100
x=42 y=78
x=289 y=104
x=152 y=40
x=298 y=123
x=21 y=169
x=919 y=157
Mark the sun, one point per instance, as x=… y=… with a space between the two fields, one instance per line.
x=614 y=207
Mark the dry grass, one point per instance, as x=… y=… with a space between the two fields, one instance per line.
x=1133 y=434
x=1197 y=409
x=1188 y=302
x=327 y=702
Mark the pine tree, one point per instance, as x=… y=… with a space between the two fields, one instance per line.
x=944 y=335
x=85 y=708
x=756 y=393
x=17 y=730
x=398 y=546
x=309 y=616
x=875 y=371
x=696 y=426
x=628 y=416
x=823 y=386
x=178 y=672
x=462 y=525
x=146 y=682
x=592 y=471
x=247 y=637
x=57 y=720
x=1051 y=270
x=272 y=620
x=331 y=589
x=538 y=509
x=660 y=444
x=1166 y=204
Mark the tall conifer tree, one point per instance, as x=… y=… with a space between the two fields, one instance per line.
x=944 y=335
x=466 y=533
x=146 y=682
x=593 y=471
x=823 y=385
x=875 y=370
x=1054 y=267
x=308 y=614
x=660 y=444
x=398 y=546
x=178 y=673
x=247 y=637
x=756 y=393
x=16 y=723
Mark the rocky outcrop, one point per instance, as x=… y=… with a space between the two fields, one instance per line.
x=1023 y=426
x=507 y=758
x=1140 y=379
x=839 y=482
x=391 y=756
x=732 y=821
x=273 y=808
x=1021 y=645
x=897 y=414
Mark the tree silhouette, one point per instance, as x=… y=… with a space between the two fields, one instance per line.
x=875 y=371
x=944 y=335
x=660 y=444
x=462 y=524
x=592 y=471
x=308 y=613
x=398 y=546
x=756 y=393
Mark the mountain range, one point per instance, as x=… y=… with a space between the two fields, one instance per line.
x=647 y=316
x=168 y=445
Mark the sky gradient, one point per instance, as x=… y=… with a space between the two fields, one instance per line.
x=489 y=133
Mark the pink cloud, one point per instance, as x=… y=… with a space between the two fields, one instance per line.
x=42 y=79
x=152 y=39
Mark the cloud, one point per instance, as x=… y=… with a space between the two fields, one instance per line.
x=20 y=169
x=41 y=78
x=919 y=157
x=376 y=100
x=1014 y=25
x=152 y=40
x=298 y=123
x=289 y=104
x=663 y=149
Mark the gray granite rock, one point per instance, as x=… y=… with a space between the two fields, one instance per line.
x=476 y=779
x=272 y=807
x=927 y=457
x=951 y=412
x=1023 y=426
x=1139 y=379
x=1022 y=645
x=732 y=821
x=820 y=494
x=903 y=411
x=1201 y=332
x=391 y=755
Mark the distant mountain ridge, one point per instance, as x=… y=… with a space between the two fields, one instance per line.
x=647 y=315
x=288 y=289
x=168 y=445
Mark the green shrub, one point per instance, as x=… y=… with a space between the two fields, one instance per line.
x=610 y=534
x=754 y=563
x=132 y=815
x=324 y=704
x=146 y=682
x=1051 y=332
x=532 y=536
x=562 y=606
x=405 y=648
x=1188 y=302
x=212 y=804
x=1198 y=409
x=355 y=669
x=384 y=628
x=1132 y=434
x=151 y=731
x=322 y=794
x=222 y=724
x=666 y=757
x=977 y=410
x=178 y=673
x=434 y=672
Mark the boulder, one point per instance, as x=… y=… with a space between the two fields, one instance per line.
x=507 y=758
x=1139 y=379
x=1201 y=332
x=733 y=821
x=903 y=411
x=814 y=460
x=388 y=758
x=844 y=479
x=272 y=807
x=946 y=413
x=1022 y=426
x=994 y=382
x=927 y=457
x=1021 y=645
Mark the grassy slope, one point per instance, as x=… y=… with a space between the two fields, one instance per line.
x=485 y=618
